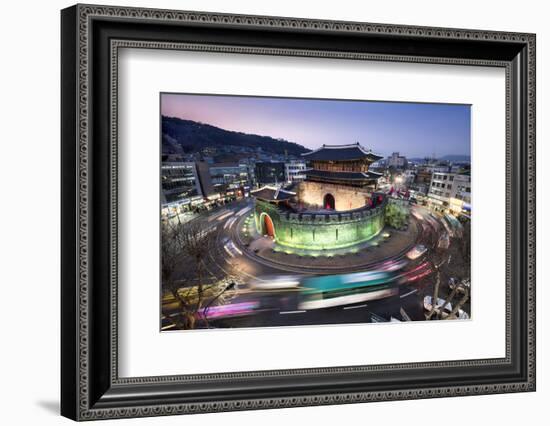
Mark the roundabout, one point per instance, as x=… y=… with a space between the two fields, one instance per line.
x=334 y=220
x=253 y=263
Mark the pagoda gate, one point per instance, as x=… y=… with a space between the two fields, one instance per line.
x=334 y=207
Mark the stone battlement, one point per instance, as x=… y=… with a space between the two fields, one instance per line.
x=320 y=231
x=345 y=197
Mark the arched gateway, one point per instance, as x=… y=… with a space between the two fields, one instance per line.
x=328 y=202
x=268 y=227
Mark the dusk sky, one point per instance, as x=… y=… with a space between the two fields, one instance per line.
x=413 y=129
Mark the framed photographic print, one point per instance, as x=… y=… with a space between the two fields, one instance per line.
x=263 y=212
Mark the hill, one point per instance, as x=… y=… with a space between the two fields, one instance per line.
x=189 y=136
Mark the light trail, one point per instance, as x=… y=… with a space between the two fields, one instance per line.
x=228 y=251
x=225 y=216
x=243 y=211
x=229 y=223
x=215 y=215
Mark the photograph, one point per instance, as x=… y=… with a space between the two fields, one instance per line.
x=277 y=207
x=283 y=212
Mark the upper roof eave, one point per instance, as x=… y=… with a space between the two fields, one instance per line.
x=347 y=152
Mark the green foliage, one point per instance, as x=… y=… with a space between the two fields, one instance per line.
x=397 y=215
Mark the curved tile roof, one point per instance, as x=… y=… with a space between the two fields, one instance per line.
x=341 y=153
x=270 y=193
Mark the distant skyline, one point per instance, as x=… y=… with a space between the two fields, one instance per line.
x=412 y=129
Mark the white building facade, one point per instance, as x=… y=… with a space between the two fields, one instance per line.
x=295 y=171
x=397 y=161
x=450 y=191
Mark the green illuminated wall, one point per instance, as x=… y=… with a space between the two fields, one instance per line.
x=320 y=231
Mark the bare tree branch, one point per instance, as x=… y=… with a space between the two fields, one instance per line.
x=187 y=244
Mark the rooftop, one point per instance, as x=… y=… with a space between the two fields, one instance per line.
x=226 y=164
x=341 y=153
x=270 y=193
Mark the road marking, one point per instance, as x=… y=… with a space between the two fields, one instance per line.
x=408 y=294
x=355 y=307
x=291 y=312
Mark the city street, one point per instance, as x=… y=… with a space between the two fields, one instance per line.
x=232 y=262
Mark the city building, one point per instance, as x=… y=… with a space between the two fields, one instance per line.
x=423 y=176
x=409 y=176
x=229 y=179
x=450 y=191
x=336 y=205
x=181 y=187
x=295 y=170
x=270 y=173
x=422 y=181
x=250 y=164
x=463 y=187
x=397 y=161
x=435 y=166
x=205 y=181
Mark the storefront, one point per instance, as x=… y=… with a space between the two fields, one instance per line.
x=437 y=205
x=455 y=206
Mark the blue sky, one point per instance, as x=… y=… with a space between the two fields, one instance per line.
x=413 y=129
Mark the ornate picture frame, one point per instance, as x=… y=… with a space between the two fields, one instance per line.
x=91 y=37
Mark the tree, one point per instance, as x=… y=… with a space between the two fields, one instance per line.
x=188 y=244
x=451 y=264
x=396 y=215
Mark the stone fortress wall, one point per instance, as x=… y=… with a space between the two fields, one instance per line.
x=322 y=230
x=346 y=197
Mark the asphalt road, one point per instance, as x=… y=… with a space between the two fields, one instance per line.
x=376 y=311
